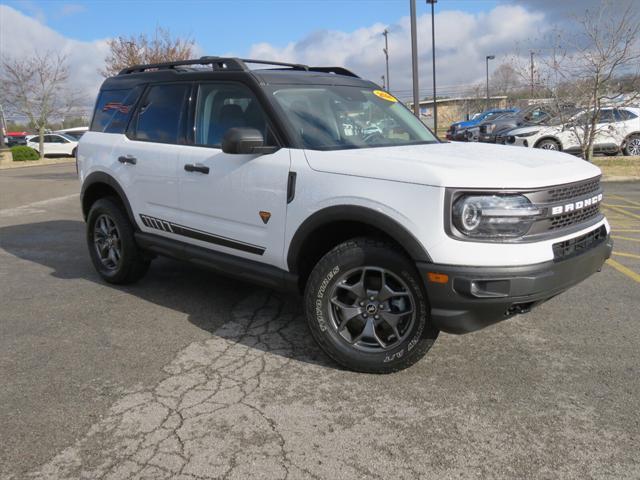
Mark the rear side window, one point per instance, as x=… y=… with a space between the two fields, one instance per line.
x=625 y=115
x=113 y=110
x=162 y=114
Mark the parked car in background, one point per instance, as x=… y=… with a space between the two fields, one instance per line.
x=75 y=132
x=458 y=131
x=54 y=144
x=13 y=139
x=618 y=130
x=490 y=129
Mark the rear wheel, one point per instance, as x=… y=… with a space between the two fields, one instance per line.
x=548 y=144
x=367 y=309
x=632 y=146
x=112 y=245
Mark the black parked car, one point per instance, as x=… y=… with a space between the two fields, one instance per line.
x=493 y=130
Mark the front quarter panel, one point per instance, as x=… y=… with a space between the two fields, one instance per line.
x=416 y=208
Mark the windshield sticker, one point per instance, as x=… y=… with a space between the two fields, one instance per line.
x=385 y=96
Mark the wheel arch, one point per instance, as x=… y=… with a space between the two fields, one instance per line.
x=632 y=134
x=548 y=137
x=330 y=226
x=99 y=185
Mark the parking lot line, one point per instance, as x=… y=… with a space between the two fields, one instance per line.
x=622 y=211
x=623 y=206
x=628 y=239
x=623 y=254
x=625 y=230
x=624 y=270
x=618 y=197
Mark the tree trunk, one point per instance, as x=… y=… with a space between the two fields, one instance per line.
x=41 y=142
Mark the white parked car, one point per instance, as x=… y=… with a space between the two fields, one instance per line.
x=272 y=176
x=54 y=144
x=75 y=132
x=618 y=130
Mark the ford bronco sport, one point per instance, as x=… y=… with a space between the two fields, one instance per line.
x=315 y=180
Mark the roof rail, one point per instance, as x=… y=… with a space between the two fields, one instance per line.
x=336 y=70
x=231 y=64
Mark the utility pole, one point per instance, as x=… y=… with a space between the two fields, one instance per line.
x=414 y=59
x=489 y=57
x=433 y=57
x=383 y=85
x=531 y=74
x=386 y=56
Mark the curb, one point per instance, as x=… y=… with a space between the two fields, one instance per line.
x=37 y=163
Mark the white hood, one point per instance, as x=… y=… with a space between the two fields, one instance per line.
x=468 y=165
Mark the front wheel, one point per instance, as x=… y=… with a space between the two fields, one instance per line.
x=367 y=309
x=548 y=144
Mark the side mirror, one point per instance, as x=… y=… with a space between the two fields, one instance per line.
x=245 y=141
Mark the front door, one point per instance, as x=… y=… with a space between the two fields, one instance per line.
x=233 y=203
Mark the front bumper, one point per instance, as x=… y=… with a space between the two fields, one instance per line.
x=476 y=297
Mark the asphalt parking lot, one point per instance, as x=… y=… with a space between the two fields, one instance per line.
x=188 y=375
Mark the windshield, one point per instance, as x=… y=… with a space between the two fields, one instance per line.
x=330 y=117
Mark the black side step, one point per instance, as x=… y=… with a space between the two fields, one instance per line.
x=222 y=263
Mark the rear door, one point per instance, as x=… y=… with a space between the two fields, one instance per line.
x=233 y=203
x=147 y=156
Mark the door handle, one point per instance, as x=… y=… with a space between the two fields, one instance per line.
x=196 y=167
x=128 y=159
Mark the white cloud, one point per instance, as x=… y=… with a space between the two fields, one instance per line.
x=21 y=35
x=462 y=42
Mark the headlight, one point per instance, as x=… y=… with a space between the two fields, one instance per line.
x=493 y=216
x=527 y=134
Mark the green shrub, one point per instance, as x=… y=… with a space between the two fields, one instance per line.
x=21 y=153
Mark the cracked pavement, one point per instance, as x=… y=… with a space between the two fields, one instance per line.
x=187 y=375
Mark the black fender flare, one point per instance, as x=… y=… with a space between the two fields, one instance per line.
x=341 y=213
x=105 y=178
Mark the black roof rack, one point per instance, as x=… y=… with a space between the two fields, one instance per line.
x=231 y=64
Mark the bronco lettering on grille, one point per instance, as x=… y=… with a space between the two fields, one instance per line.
x=571 y=207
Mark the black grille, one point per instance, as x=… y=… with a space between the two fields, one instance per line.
x=568 y=219
x=576 y=246
x=573 y=190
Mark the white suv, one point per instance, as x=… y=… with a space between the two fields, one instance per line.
x=314 y=180
x=617 y=130
x=54 y=144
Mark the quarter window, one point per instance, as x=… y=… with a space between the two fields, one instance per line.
x=161 y=115
x=224 y=106
x=113 y=110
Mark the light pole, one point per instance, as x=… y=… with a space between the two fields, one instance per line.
x=489 y=57
x=383 y=84
x=386 y=55
x=414 y=59
x=433 y=57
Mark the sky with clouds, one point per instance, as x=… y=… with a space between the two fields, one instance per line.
x=328 y=32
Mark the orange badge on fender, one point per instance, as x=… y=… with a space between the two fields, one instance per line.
x=265 y=216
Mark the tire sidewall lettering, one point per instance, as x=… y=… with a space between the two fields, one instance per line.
x=322 y=323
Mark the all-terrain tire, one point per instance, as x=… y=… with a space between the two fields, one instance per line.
x=132 y=263
x=375 y=255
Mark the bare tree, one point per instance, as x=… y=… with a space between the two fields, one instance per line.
x=505 y=79
x=135 y=50
x=585 y=66
x=36 y=88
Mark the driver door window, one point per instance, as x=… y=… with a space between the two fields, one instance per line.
x=221 y=107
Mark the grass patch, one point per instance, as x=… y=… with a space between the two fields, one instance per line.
x=619 y=166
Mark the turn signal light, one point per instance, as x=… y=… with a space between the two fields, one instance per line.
x=437 y=277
